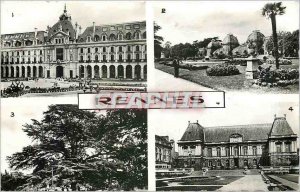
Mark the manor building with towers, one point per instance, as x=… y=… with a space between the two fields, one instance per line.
x=239 y=146
x=114 y=51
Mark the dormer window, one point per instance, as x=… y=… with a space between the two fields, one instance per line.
x=103 y=38
x=88 y=39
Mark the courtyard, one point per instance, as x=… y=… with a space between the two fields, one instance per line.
x=228 y=180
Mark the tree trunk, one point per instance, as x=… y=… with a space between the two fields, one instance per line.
x=275 y=40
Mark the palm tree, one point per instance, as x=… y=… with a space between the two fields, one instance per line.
x=270 y=10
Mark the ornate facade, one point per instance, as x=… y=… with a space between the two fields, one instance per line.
x=116 y=51
x=240 y=146
x=164 y=151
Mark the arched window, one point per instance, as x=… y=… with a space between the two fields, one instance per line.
x=137 y=48
x=112 y=58
x=254 y=149
x=137 y=35
x=104 y=49
x=128 y=48
x=120 y=49
x=96 y=58
x=144 y=35
x=81 y=50
x=128 y=36
x=120 y=36
x=245 y=150
x=96 y=38
x=120 y=57
x=219 y=152
x=96 y=50
x=209 y=152
x=112 y=37
x=112 y=49
x=88 y=50
x=103 y=37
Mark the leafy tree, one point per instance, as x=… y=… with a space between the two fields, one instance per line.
x=157 y=41
x=287 y=43
x=11 y=181
x=270 y=10
x=75 y=148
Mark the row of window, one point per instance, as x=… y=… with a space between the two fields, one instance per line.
x=279 y=147
x=113 y=37
x=22 y=61
x=112 y=49
x=112 y=58
x=235 y=151
x=18 y=53
x=19 y=43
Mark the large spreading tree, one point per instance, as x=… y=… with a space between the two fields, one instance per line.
x=75 y=148
x=271 y=10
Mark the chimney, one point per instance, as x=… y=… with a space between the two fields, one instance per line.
x=284 y=115
x=197 y=121
x=274 y=116
x=35 y=32
x=76 y=30
x=79 y=30
x=189 y=122
x=94 y=29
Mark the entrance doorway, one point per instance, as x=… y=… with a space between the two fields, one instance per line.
x=59 y=71
x=236 y=162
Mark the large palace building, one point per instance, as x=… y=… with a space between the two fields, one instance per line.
x=100 y=52
x=240 y=146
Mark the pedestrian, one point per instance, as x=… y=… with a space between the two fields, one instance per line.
x=176 y=67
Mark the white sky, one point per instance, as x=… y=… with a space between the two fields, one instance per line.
x=241 y=109
x=187 y=21
x=13 y=139
x=31 y=14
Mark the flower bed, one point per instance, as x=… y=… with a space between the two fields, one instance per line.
x=279 y=77
x=222 y=70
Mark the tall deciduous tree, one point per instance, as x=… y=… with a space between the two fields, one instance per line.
x=271 y=10
x=73 y=147
x=157 y=41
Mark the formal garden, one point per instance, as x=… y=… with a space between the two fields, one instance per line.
x=230 y=75
x=223 y=64
x=54 y=87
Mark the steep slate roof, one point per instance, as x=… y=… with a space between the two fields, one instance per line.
x=99 y=29
x=21 y=36
x=66 y=25
x=281 y=127
x=193 y=132
x=249 y=132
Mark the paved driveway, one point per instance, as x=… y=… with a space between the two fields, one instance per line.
x=248 y=183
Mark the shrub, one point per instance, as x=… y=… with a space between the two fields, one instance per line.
x=222 y=70
x=281 y=77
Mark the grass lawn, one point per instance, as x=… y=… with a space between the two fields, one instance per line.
x=189 y=188
x=290 y=177
x=227 y=83
x=211 y=180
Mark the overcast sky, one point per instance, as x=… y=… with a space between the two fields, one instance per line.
x=241 y=109
x=188 y=21
x=31 y=14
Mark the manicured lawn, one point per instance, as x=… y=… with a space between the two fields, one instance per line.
x=189 y=188
x=211 y=180
x=290 y=177
x=227 y=83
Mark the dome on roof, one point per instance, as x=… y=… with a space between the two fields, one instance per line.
x=214 y=44
x=193 y=132
x=281 y=127
x=256 y=36
x=230 y=39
